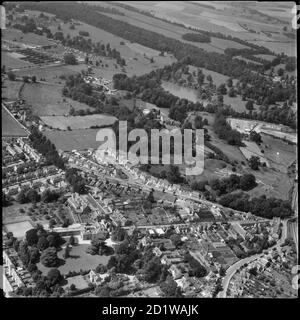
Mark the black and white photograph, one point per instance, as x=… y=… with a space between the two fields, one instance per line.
x=149 y=150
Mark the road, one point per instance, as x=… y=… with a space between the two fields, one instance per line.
x=293 y=230
x=232 y=270
x=132 y=180
x=236 y=266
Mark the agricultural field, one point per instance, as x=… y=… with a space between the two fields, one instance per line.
x=78 y=122
x=172 y=31
x=229 y=19
x=10 y=90
x=75 y=139
x=47 y=100
x=10 y=126
x=287 y=47
x=78 y=260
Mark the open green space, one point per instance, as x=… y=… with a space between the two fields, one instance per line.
x=75 y=139
x=78 y=122
x=10 y=90
x=47 y=100
x=10 y=126
x=78 y=260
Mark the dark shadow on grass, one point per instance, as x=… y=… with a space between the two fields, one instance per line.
x=61 y=262
x=73 y=256
x=63 y=282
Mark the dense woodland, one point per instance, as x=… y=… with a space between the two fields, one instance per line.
x=196 y=37
x=210 y=60
x=46 y=148
x=148 y=88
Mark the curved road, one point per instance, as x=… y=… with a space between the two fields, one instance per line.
x=233 y=269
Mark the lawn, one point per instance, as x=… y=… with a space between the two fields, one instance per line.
x=47 y=100
x=19 y=229
x=78 y=260
x=12 y=213
x=75 y=139
x=10 y=126
x=237 y=103
x=78 y=122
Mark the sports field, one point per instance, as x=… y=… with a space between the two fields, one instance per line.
x=19 y=228
x=75 y=139
x=78 y=122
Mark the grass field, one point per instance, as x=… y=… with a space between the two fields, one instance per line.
x=11 y=62
x=238 y=104
x=136 y=63
x=50 y=73
x=226 y=19
x=47 y=100
x=271 y=183
x=211 y=169
x=78 y=260
x=78 y=122
x=247 y=60
x=75 y=139
x=10 y=90
x=27 y=38
x=10 y=126
x=279 y=153
x=252 y=149
x=267 y=57
x=12 y=213
x=19 y=229
x=172 y=31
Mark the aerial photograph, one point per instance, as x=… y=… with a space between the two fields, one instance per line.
x=149 y=150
